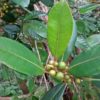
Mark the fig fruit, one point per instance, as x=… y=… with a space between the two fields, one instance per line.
x=51 y=62
x=59 y=76
x=67 y=68
x=55 y=63
x=52 y=72
x=67 y=77
x=62 y=65
x=78 y=81
x=69 y=81
x=48 y=67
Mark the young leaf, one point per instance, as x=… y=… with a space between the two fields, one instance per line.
x=55 y=93
x=87 y=63
x=19 y=58
x=23 y=3
x=60 y=28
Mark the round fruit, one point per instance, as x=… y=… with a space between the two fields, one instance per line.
x=67 y=67
x=51 y=62
x=69 y=80
x=48 y=67
x=62 y=65
x=55 y=63
x=59 y=75
x=78 y=81
x=67 y=77
x=52 y=72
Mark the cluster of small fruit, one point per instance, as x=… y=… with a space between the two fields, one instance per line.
x=5 y=8
x=60 y=72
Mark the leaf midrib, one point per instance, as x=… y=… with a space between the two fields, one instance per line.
x=58 y=35
x=84 y=62
x=14 y=54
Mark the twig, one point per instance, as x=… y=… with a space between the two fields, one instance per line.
x=77 y=90
x=46 y=83
x=47 y=49
x=43 y=77
x=45 y=67
x=41 y=80
x=37 y=50
x=27 y=10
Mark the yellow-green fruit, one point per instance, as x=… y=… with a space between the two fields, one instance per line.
x=67 y=67
x=78 y=81
x=67 y=77
x=69 y=81
x=52 y=72
x=5 y=4
x=55 y=63
x=51 y=62
x=59 y=76
x=62 y=65
x=48 y=67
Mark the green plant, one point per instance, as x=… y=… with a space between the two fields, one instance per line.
x=46 y=53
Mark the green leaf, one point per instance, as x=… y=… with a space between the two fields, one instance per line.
x=93 y=40
x=34 y=15
x=73 y=38
x=15 y=98
x=11 y=30
x=19 y=58
x=81 y=26
x=55 y=93
x=97 y=83
x=23 y=3
x=60 y=28
x=82 y=43
x=88 y=8
x=71 y=44
x=40 y=91
x=48 y=2
x=31 y=85
x=34 y=98
x=87 y=63
x=2 y=90
x=35 y=29
x=43 y=55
